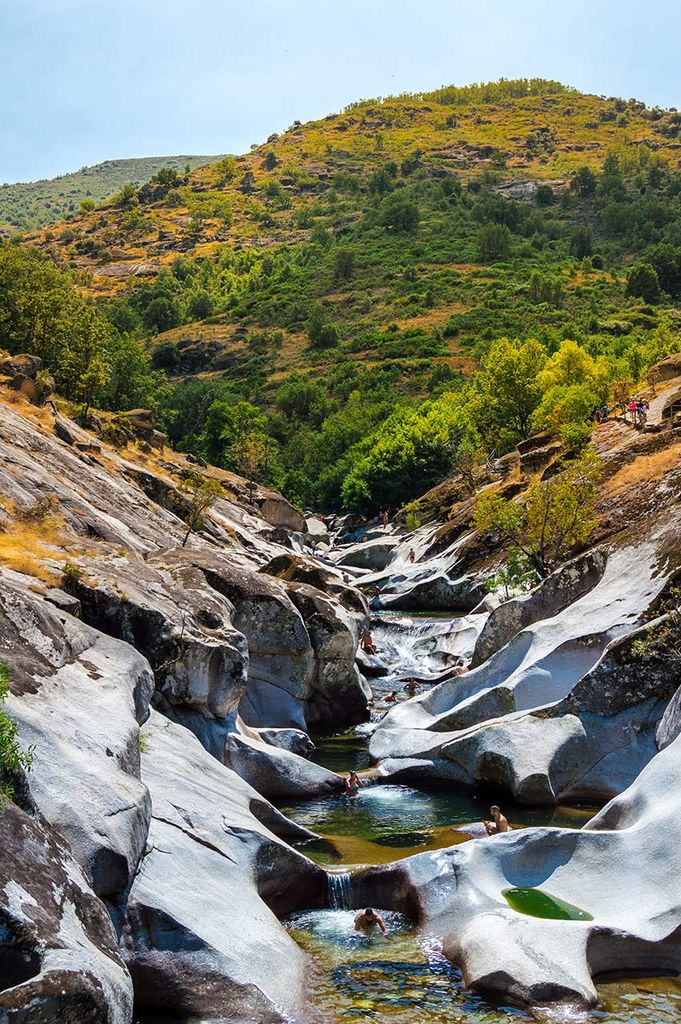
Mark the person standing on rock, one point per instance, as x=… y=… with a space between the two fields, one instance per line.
x=367 y=920
x=412 y=555
x=499 y=823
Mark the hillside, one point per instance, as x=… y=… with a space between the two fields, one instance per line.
x=320 y=306
x=27 y=205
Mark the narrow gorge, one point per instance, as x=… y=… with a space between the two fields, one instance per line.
x=182 y=850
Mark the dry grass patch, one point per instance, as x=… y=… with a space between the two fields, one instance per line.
x=645 y=469
x=26 y=546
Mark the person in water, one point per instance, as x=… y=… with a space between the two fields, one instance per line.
x=411 y=686
x=353 y=783
x=391 y=697
x=499 y=823
x=367 y=644
x=367 y=920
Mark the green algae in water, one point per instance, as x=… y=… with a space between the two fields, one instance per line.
x=536 y=903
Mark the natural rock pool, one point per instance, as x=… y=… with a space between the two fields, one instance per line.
x=404 y=978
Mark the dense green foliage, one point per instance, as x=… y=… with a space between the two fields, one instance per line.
x=28 y=205
x=355 y=326
x=42 y=312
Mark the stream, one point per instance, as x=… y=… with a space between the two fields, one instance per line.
x=404 y=978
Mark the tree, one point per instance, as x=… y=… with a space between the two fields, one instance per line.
x=320 y=331
x=200 y=494
x=493 y=243
x=162 y=314
x=270 y=161
x=380 y=182
x=665 y=258
x=553 y=518
x=643 y=282
x=584 y=182
x=581 y=241
x=399 y=213
x=343 y=265
x=507 y=391
x=250 y=456
x=200 y=305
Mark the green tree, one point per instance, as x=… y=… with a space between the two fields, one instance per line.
x=584 y=182
x=320 y=331
x=343 y=265
x=270 y=161
x=507 y=391
x=493 y=243
x=554 y=516
x=199 y=494
x=581 y=241
x=643 y=282
x=399 y=213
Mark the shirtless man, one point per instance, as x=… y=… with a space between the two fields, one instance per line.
x=411 y=686
x=367 y=919
x=352 y=783
x=367 y=644
x=391 y=697
x=498 y=825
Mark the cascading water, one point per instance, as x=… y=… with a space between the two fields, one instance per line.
x=339 y=886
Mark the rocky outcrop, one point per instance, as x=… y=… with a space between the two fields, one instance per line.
x=201 y=936
x=631 y=920
x=561 y=711
x=59 y=957
x=553 y=594
x=78 y=698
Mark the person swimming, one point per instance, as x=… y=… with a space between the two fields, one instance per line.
x=411 y=686
x=367 y=920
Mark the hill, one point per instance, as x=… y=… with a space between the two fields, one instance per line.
x=27 y=205
x=321 y=305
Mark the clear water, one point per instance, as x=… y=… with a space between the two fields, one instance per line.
x=386 y=822
x=404 y=978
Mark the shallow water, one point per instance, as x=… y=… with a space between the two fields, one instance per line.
x=404 y=979
x=386 y=822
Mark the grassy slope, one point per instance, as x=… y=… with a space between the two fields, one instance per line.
x=427 y=280
x=33 y=204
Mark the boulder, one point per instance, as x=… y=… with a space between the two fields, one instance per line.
x=201 y=937
x=85 y=772
x=668 y=368
x=375 y=554
x=22 y=365
x=59 y=960
x=553 y=594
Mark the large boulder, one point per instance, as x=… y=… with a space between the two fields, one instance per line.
x=201 y=937
x=618 y=875
x=59 y=962
x=78 y=698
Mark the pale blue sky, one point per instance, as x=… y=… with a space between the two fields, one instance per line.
x=88 y=80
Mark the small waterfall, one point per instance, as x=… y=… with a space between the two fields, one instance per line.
x=339 y=890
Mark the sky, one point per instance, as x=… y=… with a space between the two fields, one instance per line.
x=88 y=80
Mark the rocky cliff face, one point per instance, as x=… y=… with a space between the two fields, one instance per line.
x=147 y=813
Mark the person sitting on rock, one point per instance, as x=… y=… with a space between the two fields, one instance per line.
x=411 y=686
x=461 y=668
x=498 y=825
x=391 y=697
x=367 y=920
x=367 y=644
x=353 y=783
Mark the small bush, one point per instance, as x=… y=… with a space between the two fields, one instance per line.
x=12 y=758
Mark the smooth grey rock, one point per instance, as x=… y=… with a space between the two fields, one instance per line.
x=66 y=602
x=201 y=937
x=78 y=698
x=58 y=951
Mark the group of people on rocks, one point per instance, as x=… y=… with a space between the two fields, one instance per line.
x=636 y=410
